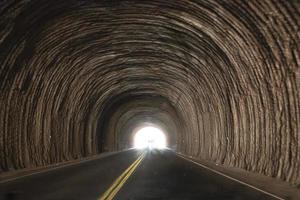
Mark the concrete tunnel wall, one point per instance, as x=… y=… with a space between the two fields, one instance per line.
x=222 y=77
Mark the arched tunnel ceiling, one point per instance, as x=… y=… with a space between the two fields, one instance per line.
x=226 y=71
x=125 y=116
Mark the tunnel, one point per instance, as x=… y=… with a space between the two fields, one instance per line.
x=220 y=78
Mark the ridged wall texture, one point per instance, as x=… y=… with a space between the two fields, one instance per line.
x=221 y=77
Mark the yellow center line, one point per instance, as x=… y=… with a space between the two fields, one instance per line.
x=119 y=182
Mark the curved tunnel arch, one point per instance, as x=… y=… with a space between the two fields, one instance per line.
x=227 y=71
x=128 y=114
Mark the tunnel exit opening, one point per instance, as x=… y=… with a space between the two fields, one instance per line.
x=150 y=137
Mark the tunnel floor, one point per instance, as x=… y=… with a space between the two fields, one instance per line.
x=160 y=174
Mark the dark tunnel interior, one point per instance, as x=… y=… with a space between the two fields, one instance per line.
x=220 y=78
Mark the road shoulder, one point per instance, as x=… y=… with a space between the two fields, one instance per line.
x=268 y=184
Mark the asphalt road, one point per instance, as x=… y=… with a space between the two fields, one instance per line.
x=163 y=175
x=160 y=175
x=85 y=181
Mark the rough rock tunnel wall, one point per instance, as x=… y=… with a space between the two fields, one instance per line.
x=222 y=77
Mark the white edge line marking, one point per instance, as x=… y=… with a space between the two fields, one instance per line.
x=229 y=177
x=61 y=166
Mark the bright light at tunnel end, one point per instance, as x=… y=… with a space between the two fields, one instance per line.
x=149 y=137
